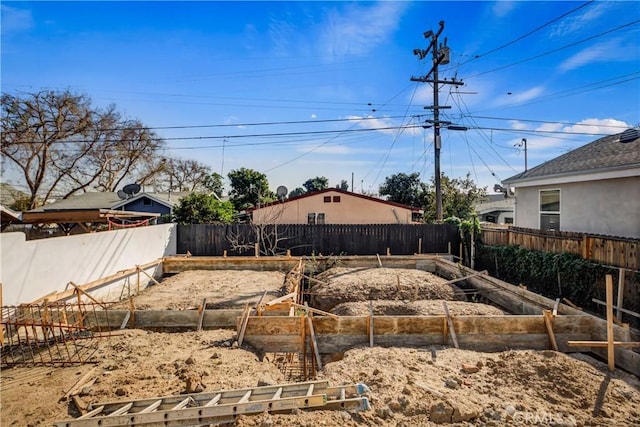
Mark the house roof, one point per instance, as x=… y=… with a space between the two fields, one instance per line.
x=602 y=155
x=106 y=200
x=503 y=205
x=8 y=215
x=337 y=190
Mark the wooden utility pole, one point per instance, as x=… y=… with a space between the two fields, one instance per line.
x=440 y=56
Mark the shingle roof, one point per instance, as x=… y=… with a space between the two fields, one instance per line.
x=606 y=153
x=102 y=200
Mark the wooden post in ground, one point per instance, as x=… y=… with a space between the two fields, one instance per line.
x=388 y=251
x=370 y=323
x=314 y=342
x=620 y=294
x=257 y=249
x=419 y=245
x=548 y=318
x=201 y=314
x=452 y=330
x=610 y=346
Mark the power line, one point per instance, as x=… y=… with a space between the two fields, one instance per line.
x=628 y=24
x=528 y=33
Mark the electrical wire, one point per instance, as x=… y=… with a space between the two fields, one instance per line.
x=527 y=34
x=549 y=52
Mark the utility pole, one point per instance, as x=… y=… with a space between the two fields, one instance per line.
x=440 y=55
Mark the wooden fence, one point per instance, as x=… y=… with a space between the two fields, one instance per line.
x=613 y=251
x=303 y=239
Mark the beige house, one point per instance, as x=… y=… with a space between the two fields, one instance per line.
x=333 y=206
x=592 y=189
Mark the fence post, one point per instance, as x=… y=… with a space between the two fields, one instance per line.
x=586 y=246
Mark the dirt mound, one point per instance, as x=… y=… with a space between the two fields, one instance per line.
x=339 y=285
x=221 y=288
x=415 y=308
x=410 y=387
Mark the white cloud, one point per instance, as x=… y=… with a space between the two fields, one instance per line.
x=359 y=29
x=608 y=51
x=597 y=126
x=582 y=20
x=15 y=20
x=503 y=7
x=518 y=97
x=314 y=116
x=371 y=122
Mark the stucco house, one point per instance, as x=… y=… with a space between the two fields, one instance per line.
x=496 y=209
x=334 y=206
x=592 y=189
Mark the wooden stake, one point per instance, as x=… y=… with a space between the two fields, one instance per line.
x=610 y=346
x=78 y=384
x=149 y=276
x=452 y=330
x=243 y=325
x=314 y=343
x=370 y=323
x=388 y=251
x=379 y=262
x=449 y=248
x=257 y=250
x=419 y=245
x=548 y=319
x=620 y=294
x=224 y=253
x=201 y=316
x=132 y=310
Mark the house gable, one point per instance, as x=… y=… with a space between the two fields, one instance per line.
x=333 y=206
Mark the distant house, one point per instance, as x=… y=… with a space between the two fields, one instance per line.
x=334 y=206
x=592 y=189
x=496 y=208
x=90 y=209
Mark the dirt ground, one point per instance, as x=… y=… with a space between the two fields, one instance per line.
x=409 y=386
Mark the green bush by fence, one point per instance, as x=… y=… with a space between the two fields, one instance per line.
x=557 y=275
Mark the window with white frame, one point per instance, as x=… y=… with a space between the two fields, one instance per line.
x=550 y=210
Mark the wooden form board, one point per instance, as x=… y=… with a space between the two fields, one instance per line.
x=178 y=264
x=483 y=333
x=517 y=300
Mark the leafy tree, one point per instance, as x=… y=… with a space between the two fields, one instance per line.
x=201 y=208
x=458 y=198
x=316 y=184
x=60 y=145
x=344 y=185
x=249 y=188
x=213 y=183
x=297 y=192
x=405 y=189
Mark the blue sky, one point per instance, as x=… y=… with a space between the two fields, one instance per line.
x=299 y=86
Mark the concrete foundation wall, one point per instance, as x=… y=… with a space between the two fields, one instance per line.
x=32 y=269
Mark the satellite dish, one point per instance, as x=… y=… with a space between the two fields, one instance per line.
x=131 y=189
x=281 y=191
x=122 y=195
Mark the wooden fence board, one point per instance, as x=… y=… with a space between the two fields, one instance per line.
x=307 y=239
x=608 y=250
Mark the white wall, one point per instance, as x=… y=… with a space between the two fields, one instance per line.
x=610 y=207
x=32 y=269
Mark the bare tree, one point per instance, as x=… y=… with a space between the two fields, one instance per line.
x=182 y=175
x=60 y=145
